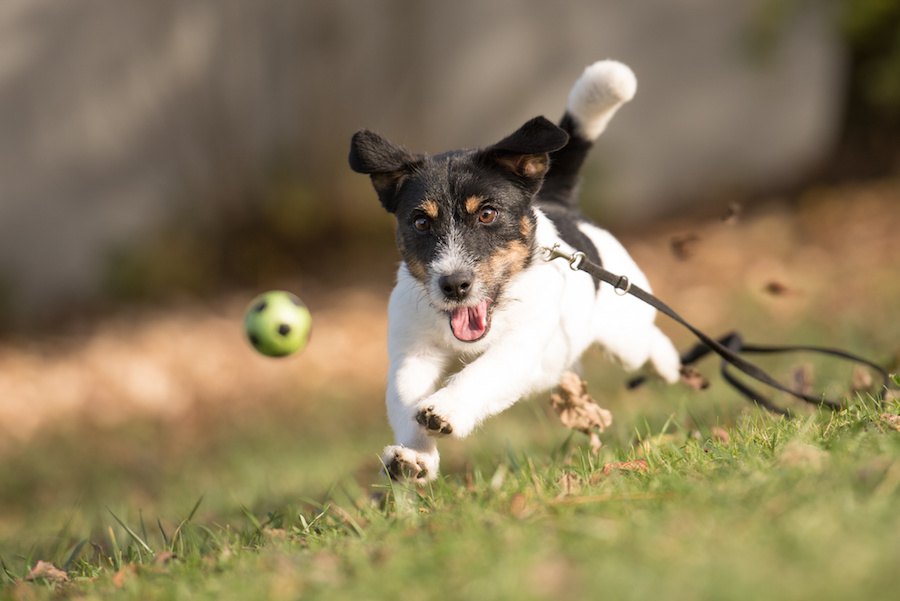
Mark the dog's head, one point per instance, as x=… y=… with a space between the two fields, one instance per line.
x=464 y=219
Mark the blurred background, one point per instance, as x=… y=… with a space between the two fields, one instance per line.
x=162 y=162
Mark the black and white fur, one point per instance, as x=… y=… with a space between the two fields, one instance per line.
x=478 y=320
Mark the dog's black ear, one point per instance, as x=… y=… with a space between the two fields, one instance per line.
x=524 y=153
x=386 y=163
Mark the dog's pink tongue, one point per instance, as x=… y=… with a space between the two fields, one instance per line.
x=470 y=323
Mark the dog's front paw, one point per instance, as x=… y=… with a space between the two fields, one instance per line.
x=443 y=415
x=402 y=463
x=433 y=423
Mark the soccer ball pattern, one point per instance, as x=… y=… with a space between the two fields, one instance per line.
x=277 y=323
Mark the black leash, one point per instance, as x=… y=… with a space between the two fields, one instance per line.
x=727 y=347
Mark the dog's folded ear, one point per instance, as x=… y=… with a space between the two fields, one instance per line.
x=386 y=163
x=525 y=152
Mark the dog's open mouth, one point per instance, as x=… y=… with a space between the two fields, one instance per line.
x=471 y=323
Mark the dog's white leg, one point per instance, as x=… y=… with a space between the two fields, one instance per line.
x=597 y=95
x=412 y=377
x=488 y=385
x=664 y=356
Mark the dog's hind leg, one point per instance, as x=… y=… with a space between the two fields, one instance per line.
x=664 y=356
x=594 y=99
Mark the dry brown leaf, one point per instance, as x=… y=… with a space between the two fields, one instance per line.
x=891 y=420
x=569 y=483
x=44 y=570
x=121 y=577
x=518 y=506
x=861 y=380
x=470 y=481
x=720 y=434
x=683 y=245
x=275 y=533
x=164 y=557
x=578 y=411
x=803 y=379
x=636 y=465
x=733 y=214
x=776 y=288
x=692 y=378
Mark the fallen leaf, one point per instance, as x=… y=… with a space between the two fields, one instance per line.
x=122 y=576
x=636 y=465
x=776 y=288
x=891 y=420
x=720 y=435
x=733 y=214
x=275 y=533
x=518 y=506
x=692 y=378
x=803 y=379
x=682 y=245
x=44 y=570
x=861 y=380
x=470 y=481
x=578 y=411
x=164 y=557
x=569 y=483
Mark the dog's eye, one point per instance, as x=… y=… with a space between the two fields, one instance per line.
x=488 y=215
x=422 y=223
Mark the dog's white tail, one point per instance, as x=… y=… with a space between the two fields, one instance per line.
x=598 y=94
x=594 y=99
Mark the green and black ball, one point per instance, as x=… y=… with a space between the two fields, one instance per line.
x=277 y=323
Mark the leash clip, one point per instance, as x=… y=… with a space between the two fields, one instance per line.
x=575 y=259
x=553 y=252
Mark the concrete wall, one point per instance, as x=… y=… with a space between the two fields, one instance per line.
x=114 y=114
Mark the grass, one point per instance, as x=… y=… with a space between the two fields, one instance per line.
x=787 y=509
x=281 y=500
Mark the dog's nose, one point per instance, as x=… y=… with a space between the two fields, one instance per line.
x=456 y=286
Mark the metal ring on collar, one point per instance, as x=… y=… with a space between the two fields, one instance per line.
x=576 y=260
x=623 y=285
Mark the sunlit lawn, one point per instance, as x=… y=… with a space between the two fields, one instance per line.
x=283 y=500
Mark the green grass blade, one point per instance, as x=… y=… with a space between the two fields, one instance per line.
x=163 y=532
x=132 y=533
x=177 y=534
x=73 y=554
x=5 y=571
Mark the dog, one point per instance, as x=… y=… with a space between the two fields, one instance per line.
x=478 y=318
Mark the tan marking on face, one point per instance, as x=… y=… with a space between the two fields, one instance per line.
x=504 y=263
x=472 y=204
x=417 y=270
x=526 y=227
x=430 y=208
